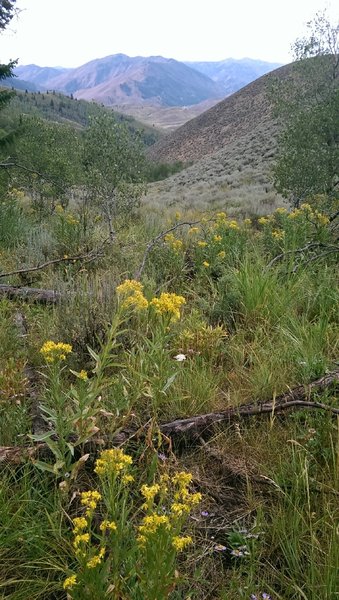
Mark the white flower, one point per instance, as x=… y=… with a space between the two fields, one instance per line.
x=180 y=357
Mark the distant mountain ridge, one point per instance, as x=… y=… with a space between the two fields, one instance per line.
x=154 y=80
x=232 y=74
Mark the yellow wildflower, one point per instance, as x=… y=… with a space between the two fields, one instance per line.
x=149 y=492
x=222 y=254
x=71 y=220
x=281 y=210
x=177 y=215
x=206 y=264
x=70 y=582
x=141 y=540
x=180 y=542
x=112 y=462
x=182 y=479
x=81 y=538
x=80 y=523
x=168 y=304
x=247 y=222
x=53 y=351
x=127 y=479
x=217 y=238
x=90 y=499
x=83 y=375
x=306 y=207
x=221 y=216
x=263 y=220
x=136 y=300
x=179 y=508
x=193 y=230
x=320 y=218
x=108 y=525
x=278 y=234
x=59 y=209
x=202 y=244
x=294 y=214
x=129 y=286
x=173 y=242
x=151 y=523
x=233 y=225
x=96 y=560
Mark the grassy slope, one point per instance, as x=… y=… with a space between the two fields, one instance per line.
x=248 y=333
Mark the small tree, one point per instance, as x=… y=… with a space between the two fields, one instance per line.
x=308 y=160
x=115 y=166
x=48 y=161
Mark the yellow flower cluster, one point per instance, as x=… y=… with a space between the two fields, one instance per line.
x=264 y=220
x=247 y=222
x=281 y=210
x=149 y=492
x=315 y=216
x=193 y=230
x=222 y=254
x=90 y=500
x=108 y=526
x=221 y=216
x=129 y=286
x=168 y=304
x=173 y=242
x=206 y=263
x=80 y=524
x=80 y=538
x=217 y=238
x=70 y=582
x=71 y=220
x=202 y=244
x=131 y=292
x=17 y=194
x=179 y=543
x=53 y=351
x=96 y=559
x=59 y=209
x=112 y=462
x=232 y=224
x=278 y=234
x=173 y=496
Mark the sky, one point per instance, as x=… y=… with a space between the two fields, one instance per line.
x=70 y=33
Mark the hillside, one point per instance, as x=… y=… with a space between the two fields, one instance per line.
x=224 y=123
x=233 y=74
x=232 y=146
x=65 y=109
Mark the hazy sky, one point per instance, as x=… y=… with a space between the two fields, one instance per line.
x=71 y=32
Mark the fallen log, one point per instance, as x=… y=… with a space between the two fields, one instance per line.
x=26 y=293
x=296 y=398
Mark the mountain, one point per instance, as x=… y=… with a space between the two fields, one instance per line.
x=232 y=147
x=239 y=114
x=39 y=76
x=120 y=79
x=154 y=81
x=232 y=74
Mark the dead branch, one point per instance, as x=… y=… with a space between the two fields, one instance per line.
x=27 y=293
x=296 y=398
x=304 y=249
x=89 y=256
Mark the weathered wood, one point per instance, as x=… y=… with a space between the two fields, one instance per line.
x=26 y=293
x=296 y=398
